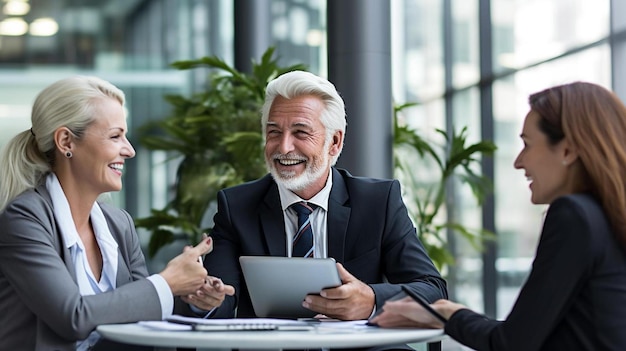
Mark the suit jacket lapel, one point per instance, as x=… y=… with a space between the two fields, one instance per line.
x=64 y=252
x=123 y=270
x=272 y=220
x=272 y=223
x=338 y=217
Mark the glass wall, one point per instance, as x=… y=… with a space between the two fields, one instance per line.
x=545 y=43
x=128 y=42
x=299 y=33
x=534 y=44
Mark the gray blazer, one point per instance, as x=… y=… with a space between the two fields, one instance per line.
x=40 y=304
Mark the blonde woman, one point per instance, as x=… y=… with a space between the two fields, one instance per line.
x=68 y=262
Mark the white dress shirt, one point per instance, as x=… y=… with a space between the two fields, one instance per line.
x=87 y=282
x=318 y=217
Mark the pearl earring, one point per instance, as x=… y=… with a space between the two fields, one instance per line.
x=564 y=163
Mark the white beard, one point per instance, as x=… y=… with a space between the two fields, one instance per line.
x=297 y=183
x=289 y=180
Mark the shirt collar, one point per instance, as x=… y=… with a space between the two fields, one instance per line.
x=62 y=211
x=288 y=198
x=63 y=215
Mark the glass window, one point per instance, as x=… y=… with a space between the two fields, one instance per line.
x=466 y=275
x=530 y=31
x=465 y=43
x=549 y=42
x=417 y=50
x=518 y=222
x=129 y=43
x=299 y=33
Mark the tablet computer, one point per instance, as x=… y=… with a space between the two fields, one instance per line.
x=278 y=285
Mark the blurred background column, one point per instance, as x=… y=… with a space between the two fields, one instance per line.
x=252 y=31
x=490 y=249
x=359 y=64
x=618 y=53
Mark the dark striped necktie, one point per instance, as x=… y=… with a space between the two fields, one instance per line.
x=302 y=245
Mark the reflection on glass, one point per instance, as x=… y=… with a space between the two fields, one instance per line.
x=466 y=276
x=529 y=31
x=417 y=50
x=465 y=43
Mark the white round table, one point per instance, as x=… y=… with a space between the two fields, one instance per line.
x=320 y=337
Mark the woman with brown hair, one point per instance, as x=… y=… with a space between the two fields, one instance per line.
x=574 y=156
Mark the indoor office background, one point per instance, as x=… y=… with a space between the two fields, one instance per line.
x=466 y=62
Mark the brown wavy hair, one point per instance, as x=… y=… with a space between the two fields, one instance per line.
x=593 y=120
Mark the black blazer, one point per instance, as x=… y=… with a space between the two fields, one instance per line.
x=575 y=296
x=369 y=232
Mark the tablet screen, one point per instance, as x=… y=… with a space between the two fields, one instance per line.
x=278 y=285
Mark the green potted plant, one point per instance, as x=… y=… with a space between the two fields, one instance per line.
x=216 y=136
x=451 y=159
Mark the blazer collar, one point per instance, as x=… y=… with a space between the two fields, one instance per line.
x=273 y=227
x=272 y=221
x=122 y=267
x=64 y=252
x=339 y=210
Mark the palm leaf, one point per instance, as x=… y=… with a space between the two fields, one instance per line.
x=425 y=200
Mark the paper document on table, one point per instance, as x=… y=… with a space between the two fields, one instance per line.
x=336 y=324
x=201 y=324
x=182 y=323
x=164 y=325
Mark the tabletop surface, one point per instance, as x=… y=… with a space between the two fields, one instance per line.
x=317 y=338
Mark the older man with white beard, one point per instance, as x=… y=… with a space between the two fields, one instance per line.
x=360 y=222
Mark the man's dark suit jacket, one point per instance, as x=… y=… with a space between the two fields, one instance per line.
x=369 y=232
